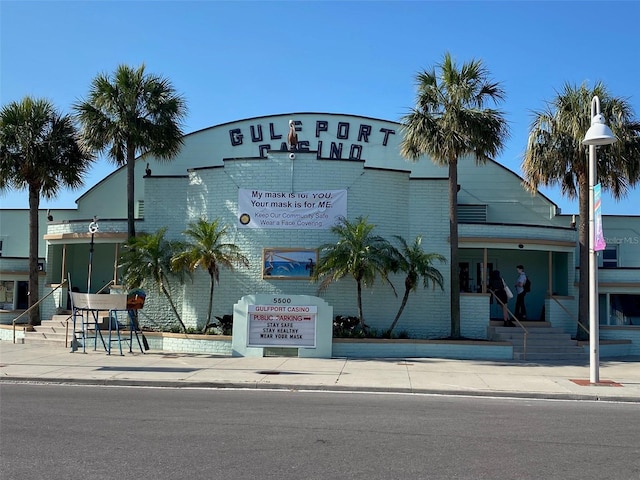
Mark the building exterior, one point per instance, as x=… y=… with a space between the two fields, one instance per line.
x=280 y=204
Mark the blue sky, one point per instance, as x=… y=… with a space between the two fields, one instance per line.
x=240 y=59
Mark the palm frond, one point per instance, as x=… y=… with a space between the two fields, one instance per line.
x=555 y=155
x=357 y=253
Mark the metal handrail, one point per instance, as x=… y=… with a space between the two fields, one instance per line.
x=108 y=284
x=574 y=318
x=66 y=336
x=15 y=320
x=511 y=315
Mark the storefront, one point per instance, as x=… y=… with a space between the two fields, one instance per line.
x=280 y=202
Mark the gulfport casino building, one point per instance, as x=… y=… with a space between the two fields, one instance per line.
x=280 y=204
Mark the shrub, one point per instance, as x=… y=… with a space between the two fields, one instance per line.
x=347 y=327
x=224 y=324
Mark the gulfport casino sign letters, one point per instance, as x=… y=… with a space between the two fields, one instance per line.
x=347 y=138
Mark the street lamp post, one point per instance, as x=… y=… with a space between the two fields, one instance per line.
x=598 y=134
x=93 y=228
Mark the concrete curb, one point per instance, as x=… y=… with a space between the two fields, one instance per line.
x=317 y=388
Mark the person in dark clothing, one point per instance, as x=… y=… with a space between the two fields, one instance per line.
x=521 y=309
x=496 y=286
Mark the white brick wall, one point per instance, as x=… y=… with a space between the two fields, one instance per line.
x=474 y=312
x=388 y=198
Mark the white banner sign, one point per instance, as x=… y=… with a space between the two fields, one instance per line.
x=599 y=242
x=302 y=210
x=282 y=326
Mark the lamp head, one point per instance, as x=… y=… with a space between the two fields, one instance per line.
x=599 y=133
x=93 y=226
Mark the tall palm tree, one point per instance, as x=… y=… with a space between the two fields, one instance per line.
x=207 y=250
x=555 y=156
x=357 y=253
x=40 y=151
x=129 y=113
x=449 y=121
x=416 y=263
x=146 y=261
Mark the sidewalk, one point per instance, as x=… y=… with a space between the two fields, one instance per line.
x=620 y=379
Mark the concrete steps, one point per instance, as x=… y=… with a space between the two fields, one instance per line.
x=543 y=342
x=51 y=332
x=57 y=332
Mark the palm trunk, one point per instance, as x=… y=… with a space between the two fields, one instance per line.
x=34 y=234
x=131 y=198
x=208 y=322
x=583 y=234
x=173 y=307
x=453 y=241
x=402 y=305
x=360 y=314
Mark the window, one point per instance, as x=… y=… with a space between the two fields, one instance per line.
x=6 y=294
x=609 y=257
x=624 y=309
x=14 y=294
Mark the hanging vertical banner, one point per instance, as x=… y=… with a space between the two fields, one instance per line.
x=297 y=210
x=599 y=242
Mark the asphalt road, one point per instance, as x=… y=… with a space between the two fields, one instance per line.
x=81 y=432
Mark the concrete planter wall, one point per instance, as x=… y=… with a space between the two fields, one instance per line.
x=188 y=343
x=383 y=348
x=347 y=347
x=610 y=346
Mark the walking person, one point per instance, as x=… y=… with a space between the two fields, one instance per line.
x=521 y=309
x=498 y=287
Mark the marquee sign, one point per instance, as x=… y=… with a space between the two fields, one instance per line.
x=282 y=325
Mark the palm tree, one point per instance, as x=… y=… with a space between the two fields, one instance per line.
x=206 y=249
x=555 y=156
x=357 y=253
x=39 y=151
x=146 y=261
x=416 y=263
x=130 y=113
x=448 y=122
